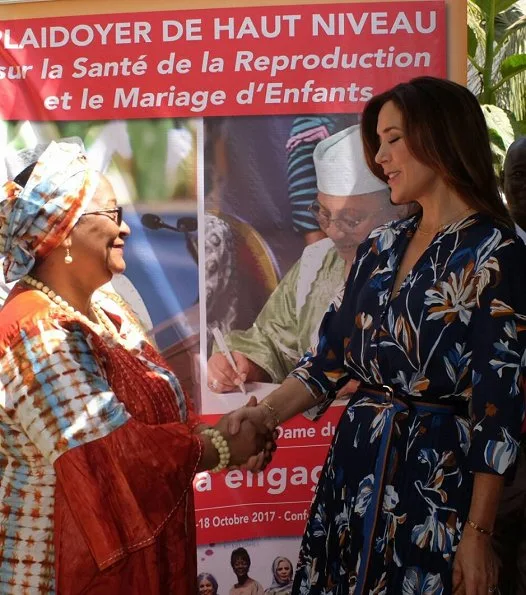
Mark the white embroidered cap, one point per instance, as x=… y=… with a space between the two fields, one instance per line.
x=340 y=165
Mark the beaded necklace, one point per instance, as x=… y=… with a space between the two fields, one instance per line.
x=100 y=315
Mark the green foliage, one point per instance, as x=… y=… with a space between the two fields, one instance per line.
x=501 y=133
x=512 y=65
x=154 y=173
x=497 y=54
x=148 y=140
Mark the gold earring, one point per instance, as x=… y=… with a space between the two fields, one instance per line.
x=68 y=259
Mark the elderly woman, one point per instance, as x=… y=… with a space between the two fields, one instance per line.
x=98 y=443
x=206 y=584
x=281 y=577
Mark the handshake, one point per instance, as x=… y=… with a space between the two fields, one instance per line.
x=250 y=435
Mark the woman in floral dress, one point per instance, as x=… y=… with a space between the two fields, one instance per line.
x=432 y=324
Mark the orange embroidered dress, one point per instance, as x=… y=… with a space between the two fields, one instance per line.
x=97 y=457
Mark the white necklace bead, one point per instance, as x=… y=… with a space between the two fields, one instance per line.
x=100 y=315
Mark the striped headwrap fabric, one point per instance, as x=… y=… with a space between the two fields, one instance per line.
x=38 y=217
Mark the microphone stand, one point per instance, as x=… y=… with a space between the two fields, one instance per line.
x=185 y=226
x=191 y=246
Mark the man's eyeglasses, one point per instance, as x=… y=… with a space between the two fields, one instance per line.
x=342 y=223
x=115 y=214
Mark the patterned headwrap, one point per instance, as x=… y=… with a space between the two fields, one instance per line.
x=37 y=218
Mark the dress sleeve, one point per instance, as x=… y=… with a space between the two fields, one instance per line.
x=498 y=343
x=272 y=341
x=121 y=479
x=322 y=369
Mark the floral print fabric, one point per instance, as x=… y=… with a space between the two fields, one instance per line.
x=396 y=487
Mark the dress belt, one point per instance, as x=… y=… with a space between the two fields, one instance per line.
x=385 y=394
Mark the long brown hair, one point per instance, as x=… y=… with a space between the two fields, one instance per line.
x=445 y=129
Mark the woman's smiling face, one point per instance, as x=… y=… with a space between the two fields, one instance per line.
x=408 y=178
x=206 y=587
x=97 y=241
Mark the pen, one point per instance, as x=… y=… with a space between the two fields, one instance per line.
x=221 y=343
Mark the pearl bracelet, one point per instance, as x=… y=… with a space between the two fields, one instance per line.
x=221 y=445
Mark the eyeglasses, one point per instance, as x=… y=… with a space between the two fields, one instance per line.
x=342 y=223
x=115 y=214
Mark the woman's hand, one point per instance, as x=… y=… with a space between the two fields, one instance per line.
x=251 y=444
x=475 y=569
x=251 y=412
x=257 y=414
x=261 y=460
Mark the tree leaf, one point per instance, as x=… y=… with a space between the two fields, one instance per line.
x=513 y=29
x=484 y=5
x=501 y=133
x=499 y=121
x=472 y=43
x=498 y=154
x=502 y=5
x=518 y=126
x=512 y=65
x=475 y=20
x=148 y=139
x=86 y=129
x=497 y=142
x=521 y=128
x=508 y=21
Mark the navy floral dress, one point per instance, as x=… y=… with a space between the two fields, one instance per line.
x=395 y=490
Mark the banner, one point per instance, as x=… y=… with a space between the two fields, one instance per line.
x=275 y=502
x=271 y=60
x=204 y=120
